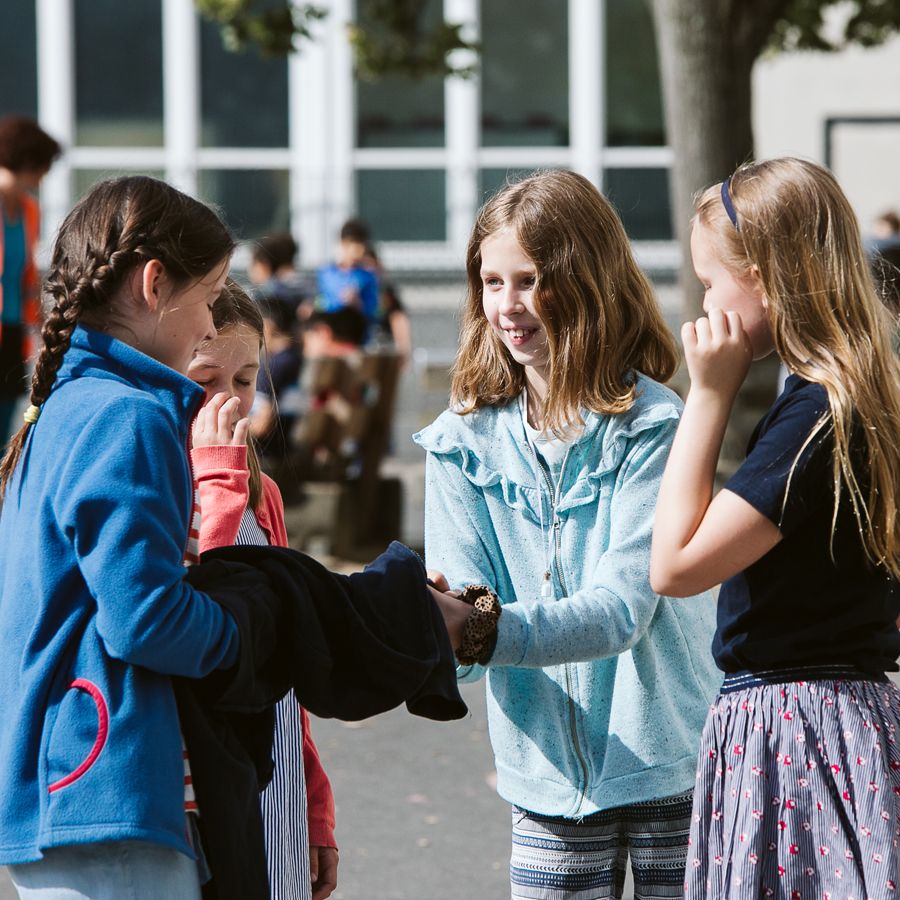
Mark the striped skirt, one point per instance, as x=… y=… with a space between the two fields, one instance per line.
x=284 y=809
x=798 y=794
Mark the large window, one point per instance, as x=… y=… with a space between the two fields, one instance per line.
x=84 y=179
x=300 y=144
x=634 y=115
x=641 y=197
x=243 y=96
x=118 y=73
x=253 y=202
x=524 y=73
x=401 y=112
x=18 y=64
x=403 y=205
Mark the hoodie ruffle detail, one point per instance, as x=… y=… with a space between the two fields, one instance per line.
x=492 y=449
x=515 y=495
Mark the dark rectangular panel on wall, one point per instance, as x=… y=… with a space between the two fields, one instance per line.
x=401 y=112
x=634 y=112
x=253 y=202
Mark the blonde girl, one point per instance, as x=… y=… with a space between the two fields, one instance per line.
x=541 y=484
x=798 y=785
x=241 y=505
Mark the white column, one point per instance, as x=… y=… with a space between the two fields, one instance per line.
x=181 y=93
x=56 y=102
x=341 y=121
x=461 y=106
x=587 y=54
x=308 y=122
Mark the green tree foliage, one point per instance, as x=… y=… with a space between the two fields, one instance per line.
x=275 y=29
x=803 y=25
x=398 y=39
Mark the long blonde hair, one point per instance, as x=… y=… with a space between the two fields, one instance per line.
x=796 y=228
x=598 y=309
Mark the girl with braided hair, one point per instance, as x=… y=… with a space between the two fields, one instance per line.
x=94 y=611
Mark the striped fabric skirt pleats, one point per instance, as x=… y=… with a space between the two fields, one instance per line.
x=284 y=809
x=798 y=794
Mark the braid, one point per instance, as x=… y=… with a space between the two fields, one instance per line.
x=118 y=225
x=89 y=291
x=56 y=335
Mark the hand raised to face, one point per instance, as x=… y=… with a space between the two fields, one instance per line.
x=217 y=424
x=717 y=351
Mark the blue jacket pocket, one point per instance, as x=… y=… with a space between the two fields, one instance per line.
x=79 y=734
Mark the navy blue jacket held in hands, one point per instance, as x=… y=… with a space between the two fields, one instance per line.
x=351 y=646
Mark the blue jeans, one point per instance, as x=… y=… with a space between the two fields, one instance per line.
x=120 y=870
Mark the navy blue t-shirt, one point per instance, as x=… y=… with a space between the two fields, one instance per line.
x=796 y=606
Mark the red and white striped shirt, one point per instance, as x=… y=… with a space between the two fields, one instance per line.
x=191 y=556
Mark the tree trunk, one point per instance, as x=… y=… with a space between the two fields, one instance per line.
x=706 y=94
x=707 y=49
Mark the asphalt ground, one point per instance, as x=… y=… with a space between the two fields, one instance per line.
x=417 y=815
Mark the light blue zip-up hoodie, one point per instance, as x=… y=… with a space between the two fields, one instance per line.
x=597 y=696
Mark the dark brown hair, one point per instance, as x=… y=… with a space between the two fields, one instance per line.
x=597 y=307
x=117 y=226
x=275 y=251
x=234 y=308
x=355 y=230
x=25 y=146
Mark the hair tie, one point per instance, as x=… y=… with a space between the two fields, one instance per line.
x=31 y=414
x=726 y=202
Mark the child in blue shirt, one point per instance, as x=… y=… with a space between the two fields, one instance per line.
x=348 y=281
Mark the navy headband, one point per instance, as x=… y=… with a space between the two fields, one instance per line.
x=729 y=206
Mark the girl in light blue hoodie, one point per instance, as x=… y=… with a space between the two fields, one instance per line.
x=541 y=487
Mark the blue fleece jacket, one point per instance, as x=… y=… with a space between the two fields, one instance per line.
x=596 y=698
x=95 y=614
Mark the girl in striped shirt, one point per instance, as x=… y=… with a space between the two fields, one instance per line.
x=241 y=505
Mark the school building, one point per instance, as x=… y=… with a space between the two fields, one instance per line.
x=300 y=144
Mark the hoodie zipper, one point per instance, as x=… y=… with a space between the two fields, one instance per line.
x=556 y=525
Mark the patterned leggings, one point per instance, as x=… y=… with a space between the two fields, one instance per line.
x=554 y=858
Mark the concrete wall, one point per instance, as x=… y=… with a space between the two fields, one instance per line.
x=795 y=93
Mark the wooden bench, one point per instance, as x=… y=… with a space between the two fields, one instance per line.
x=331 y=478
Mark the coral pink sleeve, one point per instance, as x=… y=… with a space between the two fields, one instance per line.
x=223 y=483
x=271 y=513
x=319 y=796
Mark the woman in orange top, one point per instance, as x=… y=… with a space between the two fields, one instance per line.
x=26 y=154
